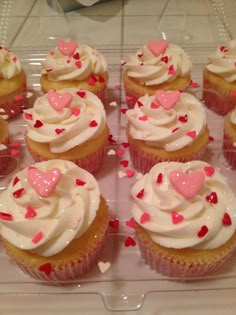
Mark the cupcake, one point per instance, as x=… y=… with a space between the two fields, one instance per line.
x=229 y=143
x=69 y=124
x=73 y=65
x=219 y=79
x=156 y=66
x=12 y=84
x=4 y=142
x=184 y=216
x=167 y=126
x=54 y=220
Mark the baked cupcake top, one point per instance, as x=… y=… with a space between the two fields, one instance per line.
x=10 y=65
x=222 y=62
x=47 y=205
x=65 y=119
x=169 y=119
x=158 y=62
x=184 y=205
x=72 y=61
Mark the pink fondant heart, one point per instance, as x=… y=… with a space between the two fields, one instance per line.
x=167 y=99
x=59 y=101
x=157 y=47
x=187 y=185
x=43 y=182
x=66 y=48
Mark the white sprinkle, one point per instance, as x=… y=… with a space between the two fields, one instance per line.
x=104 y=266
x=114 y=104
x=111 y=152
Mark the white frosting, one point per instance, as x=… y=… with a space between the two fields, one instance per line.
x=151 y=70
x=10 y=65
x=223 y=61
x=76 y=127
x=233 y=116
x=59 y=67
x=160 y=200
x=62 y=216
x=164 y=128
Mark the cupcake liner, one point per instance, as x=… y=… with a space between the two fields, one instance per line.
x=229 y=150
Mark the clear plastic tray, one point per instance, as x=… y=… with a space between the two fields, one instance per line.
x=124 y=286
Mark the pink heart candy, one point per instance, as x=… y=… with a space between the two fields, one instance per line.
x=43 y=182
x=59 y=101
x=66 y=48
x=187 y=185
x=167 y=99
x=157 y=47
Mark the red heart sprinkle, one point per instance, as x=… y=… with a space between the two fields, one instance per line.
x=76 y=56
x=226 y=219
x=15 y=144
x=191 y=134
x=165 y=59
x=140 y=55
x=140 y=104
x=159 y=178
x=37 y=237
x=14 y=59
x=14 y=152
x=140 y=194
x=154 y=105
x=75 y=111
x=130 y=241
x=124 y=163
x=125 y=144
x=58 y=131
x=15 y=181
x=6 y=216
x=18 y=193
x=101 y=79
x=81 y=93
x=193 y=84
x=110 y=139
x=120 y=152
x=211 y=138
x=124 y=110
x=130 y=173
x=209 y=170
x=79 y=182
x=78 y=64
x=28 y=116
x=130 y=223
x=38 y=124
x=212 y=198
x=46 y=268
x=92 y=80
x=93 y=123
x=30 y=212
x=203 y=231
x=143 y=118
x=114 y=224
x=183 y=119
x=176 y=217
x=19 y=98
x=171 y=69
x=145 y=217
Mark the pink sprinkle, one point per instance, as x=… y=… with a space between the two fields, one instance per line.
x=191 y=134
x=129 y=98
x=144 y=217
x=130 y=223
x=92 y=80
x=30 y=212
x=14 y=152
x=28 y=116
x=176 y=217
x=19 y=97
x=194 y=84
x=120 y=152
x=125 y=144
x=154 y=105
x=171 y=69
x=14 y=59
x=143 y=118
x=37 y=238
x=118 y=87
x=130 y=173
x=93 y=123
x=75 y=111
x=78 y=64
x=15 y=144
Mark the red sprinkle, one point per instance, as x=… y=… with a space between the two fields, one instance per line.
x=145 y=217
x=80 y=182
x=209 y=170
x=78 y=64
x=18 y=193
x=226 y=219
x=130 y=173
x=101 y=79
x=111 y=140
x=233 y=93
x=19 y=98
x=193 y=84
x=6 y=216
x=30 y=212
x=143 y=118
x=130 y=223
x=175 y=129
x=203 y=231
x=125 y=144
x=124 y=110
x=28 y=116
x=93 y=123
x=159 y=178
x=191 y=134
x=92 y=80
x=120 y=152
x=140 y=55
x=183 y=119
x=48 y=70
x=37 y=238
x=14 y=59
x=46 y=268
x=211 y=138
x=38 y=124
x=140 y=104
x=124 y=163
x=15 y=181
x=154 y=105
x=130 y=241
x=76 y=56
x=58 y=131
x=75 y=111
x=165 y=59
x=129 y=98
x=81 y=93
x=171 y=69
x=14 y=152
x=140 y=194
x=114 y=224
x=212 y=198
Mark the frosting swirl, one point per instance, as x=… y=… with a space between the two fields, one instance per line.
x=222 y=62
x=189 y=205
x=65 y=124
x=233 y=117
x=150 y=66
x=170 y=129
x=10 y=65
x=83 y=62
x=46 y=225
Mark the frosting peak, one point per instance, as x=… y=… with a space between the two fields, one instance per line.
x=10 y=65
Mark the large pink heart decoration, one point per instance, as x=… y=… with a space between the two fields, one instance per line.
x=167 y=99
x=157 y=47
x=66 y=48
x=59 y=101
x=187 y=185
x=43 y=182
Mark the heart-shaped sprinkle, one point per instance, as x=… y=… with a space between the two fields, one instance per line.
x=125 y=144
x=28 y=116
x=38 y=124
x=140 y=55
x=140 y=104
x=37 y=237
x=176 y=217
x=203 y=231
x=46 y=268
x=101 y=79
x=80 y=182
x=212 y=198
x=209 y=170
x=129 y=242
x=120 y=152
x=104 y=266
x=167 y=99
x=92 y=80
x=183 y=119
x=76 y=56
x=66 y=48
x=19 y=97
x=111 y=140
x=171 y=69
x=15 y=181
x=18 y=193
x=93 y=123
x=15 y=144
x=59 y=100
x=211 y=138
x=226 y=219
x=58 y=131
x=44 y=182
x=143 y=118
x=75 y=111
x=14 y=58
x=130 y=173
x=192 y=134
x=145 y=217
x=124 y=110
x=30 y=212
x=6 y=216
x=157 y=48
x=165 y=59
x=114 y=224
x=124 y=163
x=140 y=194
x=130 y=223
x=14 y=152
x=193 y=84
x=159 y=178
x=129 y=98
x=81 y=93
x=78 y=64
x=154 y=105
x=185 y=184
